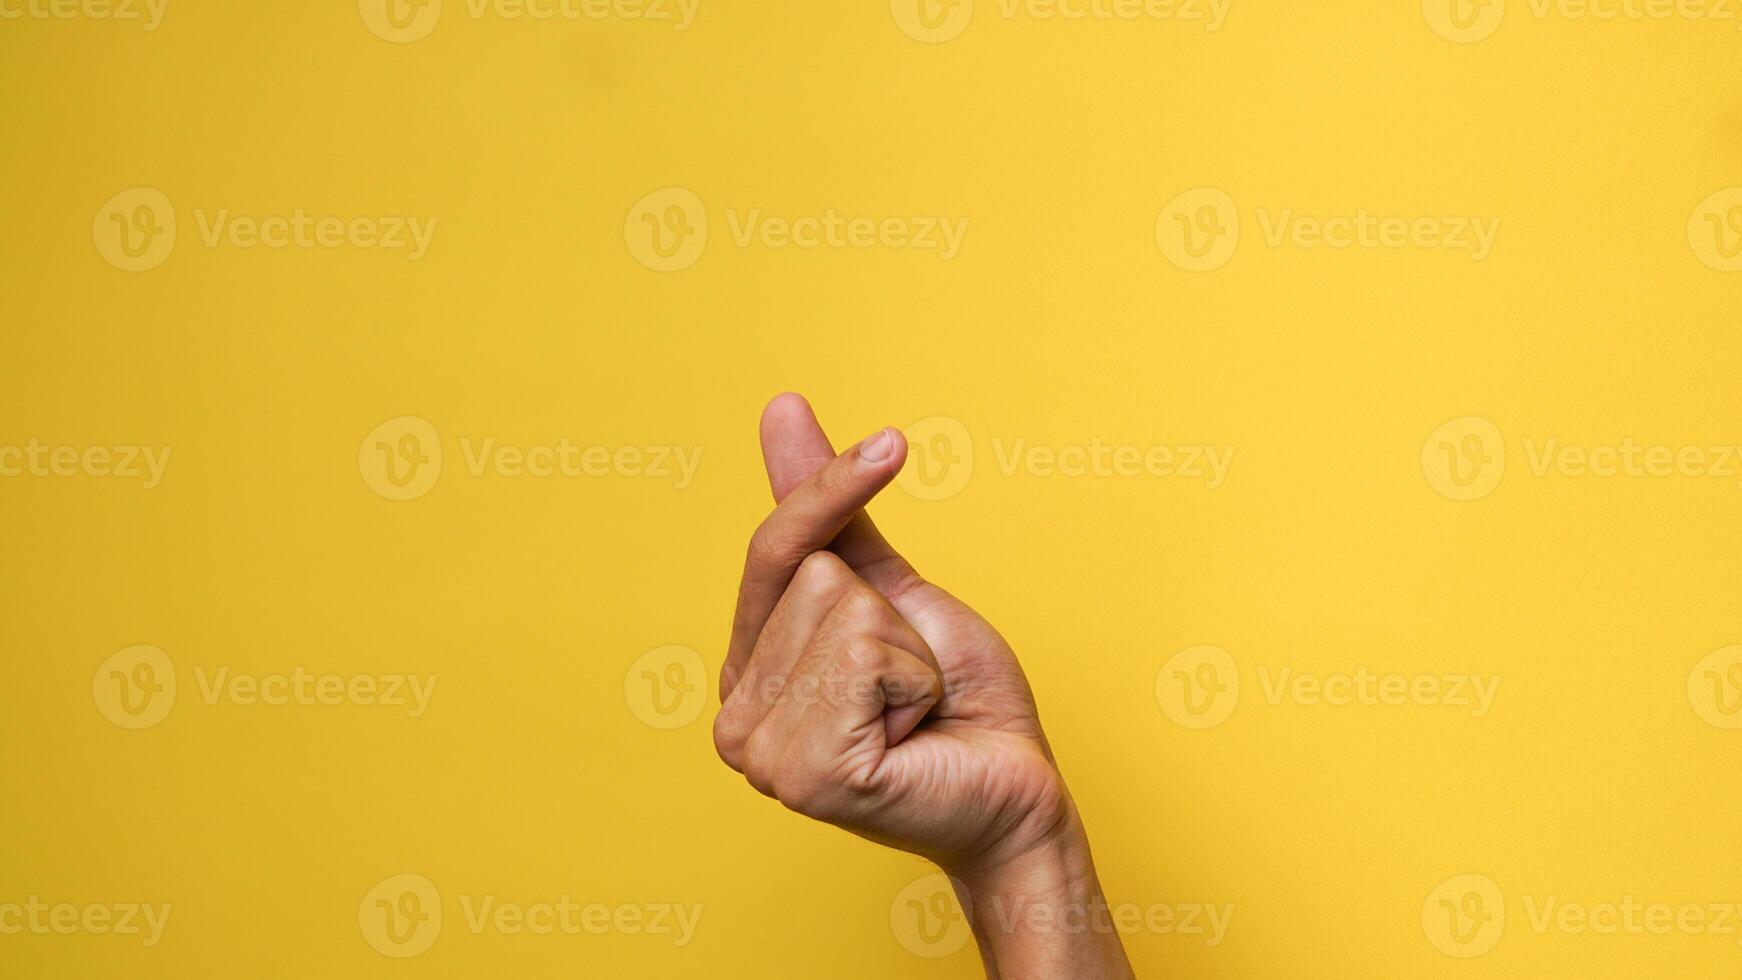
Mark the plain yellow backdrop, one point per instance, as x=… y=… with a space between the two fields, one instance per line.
x=1597 y=316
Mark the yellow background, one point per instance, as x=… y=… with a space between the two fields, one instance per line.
x=1061 y=321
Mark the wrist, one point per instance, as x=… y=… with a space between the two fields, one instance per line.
x=1039 y=913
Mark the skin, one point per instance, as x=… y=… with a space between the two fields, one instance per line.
x=857 y=693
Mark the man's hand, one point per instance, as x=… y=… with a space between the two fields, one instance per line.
x=859 y=694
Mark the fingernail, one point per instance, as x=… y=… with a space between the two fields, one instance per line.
x=877 y=448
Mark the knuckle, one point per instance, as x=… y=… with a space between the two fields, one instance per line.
x=862 y=781
x=785 y=789
x=764 y=548
x=898 y=577
x=729 y=676
x=862 y=605
x=833 y=478
x=796 y=790
x=760 y=764
x=860 y=653
x=729 y=740
x=760 y=778
x=822 y=570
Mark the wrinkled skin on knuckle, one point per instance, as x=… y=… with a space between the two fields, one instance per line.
x=761 y=762
x=729 y=740
x=912 y=687
x=729 y=676
x=833 y=479
x=860 y=653
x=859 y=686
x=767 y=547
x=838 y=794
x=821 y=572
x=862 y=782
x=797 y=790
x=862 y=607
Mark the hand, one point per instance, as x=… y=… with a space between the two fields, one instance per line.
x=859 y=694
